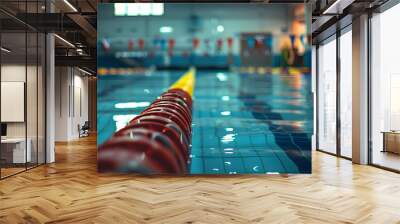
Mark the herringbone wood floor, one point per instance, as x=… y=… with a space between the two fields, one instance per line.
x=71 y=191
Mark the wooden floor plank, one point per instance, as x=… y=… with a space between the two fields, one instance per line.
x=71 y=191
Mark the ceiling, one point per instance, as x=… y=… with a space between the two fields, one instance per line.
x=328 y=16
x=76 y=20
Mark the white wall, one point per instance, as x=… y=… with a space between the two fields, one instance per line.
x=17 y=73
x=10 y=73
x=71 y=94
x=62 y=83
x=80 y=111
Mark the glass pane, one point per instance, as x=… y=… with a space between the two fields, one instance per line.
x=346 y=94
x=31 y=97
x=386 y=89
x=13 y=86
x=22 y=88
x=41 y=99
x=327 y=97
x=32 y=84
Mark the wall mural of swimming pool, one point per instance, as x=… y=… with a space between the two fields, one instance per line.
x=204 y=89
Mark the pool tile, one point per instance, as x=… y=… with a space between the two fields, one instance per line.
x=289 y=165
x=265 y=152
x=242 y=141
x=258 y=140
x=214 y=166
x=211 y=152
x=196 y=166
x=234 y=165
x=228 y=152
x=253 y=165
x=272 y=164
x=248 y=152
x=209 y=140
x=196 y=151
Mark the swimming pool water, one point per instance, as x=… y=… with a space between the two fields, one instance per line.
x=242 y=123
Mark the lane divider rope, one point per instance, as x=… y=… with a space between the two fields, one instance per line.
x=157 y=141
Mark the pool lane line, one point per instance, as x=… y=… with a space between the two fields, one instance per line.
x=186 y=82
x=108 y=161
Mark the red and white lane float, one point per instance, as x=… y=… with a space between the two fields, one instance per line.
x=158 y=140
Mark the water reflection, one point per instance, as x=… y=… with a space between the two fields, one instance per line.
x=263 y=125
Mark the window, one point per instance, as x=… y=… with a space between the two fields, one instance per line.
x=327 y=96
x=385 y=89
x=346 y=94
x=138 y=9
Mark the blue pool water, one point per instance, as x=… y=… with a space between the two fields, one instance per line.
x=242 y=123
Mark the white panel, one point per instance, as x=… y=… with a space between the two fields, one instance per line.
x=12 y=101
x=346 y=94
x=77 y=101
x=50 y=99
